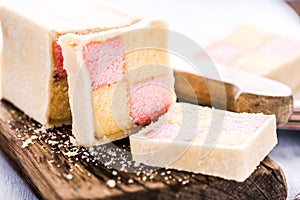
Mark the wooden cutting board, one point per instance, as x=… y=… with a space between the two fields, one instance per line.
x=50 y=173
x=54 y=169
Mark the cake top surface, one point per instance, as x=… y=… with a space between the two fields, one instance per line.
x=190 y=123
x=136 y=30
x=79 y=16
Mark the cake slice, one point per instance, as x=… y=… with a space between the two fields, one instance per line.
x=242 y=39
x=119 y=80
x=208 y=141
x=33 y=78
x=259 y=52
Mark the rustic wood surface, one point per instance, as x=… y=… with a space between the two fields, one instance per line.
x=195 y=89
x=286 y=154
x=52 y=172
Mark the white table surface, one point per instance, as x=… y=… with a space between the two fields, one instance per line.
x=202 y=21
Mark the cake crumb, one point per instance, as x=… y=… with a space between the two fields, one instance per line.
x=51 y=142
x=111 y=183
x=151 y=177
x=130 y=181
x=114 y=173
x=185 y=182
x=69 y=176
x=70 y=154
x=34 y=137
x=26 y=143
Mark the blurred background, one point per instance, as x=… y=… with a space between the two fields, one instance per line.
x=204 y=21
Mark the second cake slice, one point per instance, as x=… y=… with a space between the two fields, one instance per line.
x=118 y=80
x=207 y=141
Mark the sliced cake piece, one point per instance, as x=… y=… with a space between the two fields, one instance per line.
x=243 y=39
x=259 y=52
x=208 y=141
x=33 y=78
x=118 y=80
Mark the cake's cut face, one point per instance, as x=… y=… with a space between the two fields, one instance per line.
x=59 y=108
x=224 y=53
x=204 y=140
x=124 y=83
x=33 y=76
x=149 y=100
x=59 y=71
x=279 y=48
x=259 y=52
x=105 y=62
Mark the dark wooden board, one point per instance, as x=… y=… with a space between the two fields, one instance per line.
x=51 y=174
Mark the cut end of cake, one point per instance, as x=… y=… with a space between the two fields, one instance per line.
x=149 y=100
x=131 y=82
x=59 y=71
x=105 y=62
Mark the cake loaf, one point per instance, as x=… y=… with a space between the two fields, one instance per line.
x=34 y=78
x=259 y=52
x=208 y=141
x=119 y=80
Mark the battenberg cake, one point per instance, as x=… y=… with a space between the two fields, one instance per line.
x=208 y=141
x=259 y=52
x=118 y=79
x=33 y=78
